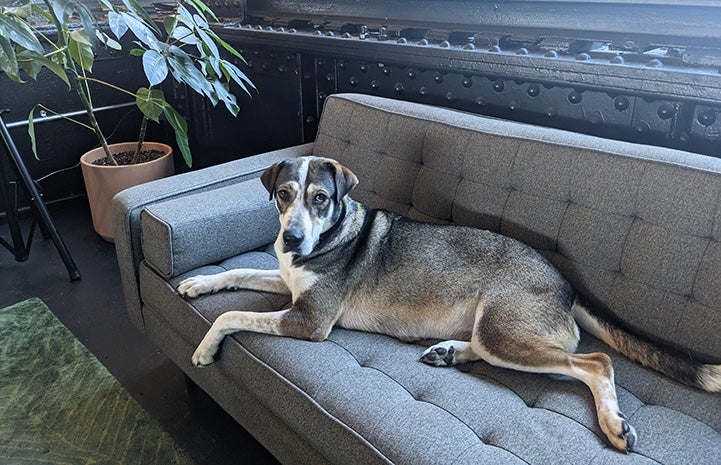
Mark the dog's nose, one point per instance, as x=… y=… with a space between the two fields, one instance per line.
x=292 y=238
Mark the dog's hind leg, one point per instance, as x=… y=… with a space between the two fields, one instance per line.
x=594 y=370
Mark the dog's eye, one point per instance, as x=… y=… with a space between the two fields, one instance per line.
x=283 y=195
x=320 y=198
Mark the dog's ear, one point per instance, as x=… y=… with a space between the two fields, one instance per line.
x=345 y=180
x=269 y=177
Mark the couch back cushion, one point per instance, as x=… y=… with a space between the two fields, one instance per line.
x=634 y=228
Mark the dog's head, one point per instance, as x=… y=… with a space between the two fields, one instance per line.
x=308 y=193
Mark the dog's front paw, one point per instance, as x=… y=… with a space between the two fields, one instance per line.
x=203 y=356
x=440 y=355
x=195 y=286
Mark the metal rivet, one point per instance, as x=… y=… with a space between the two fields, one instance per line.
x=330 y=77
x=444 y=44
x=513 y=106
x=320 y=62
x=498 y=86
x=522 y=51
x=281 y=29
x=423 y=91
x=707 y=118
x=533 y=90
x=321 y=95
x=423 y=42
x=467 y=82
x=551 y=54
x=375 y=85
x=666 y=112
x=450 y=96
x=621 y=103
x=386 y=71
x=494 y=49
x=402 y=40
x=282 y=69
x=438 y=78
x=292 y=30
x=398 y=87
x=330 y=34
x=341 y=64
x=618 y=60
x=269 y=28
x=574 y=97
x=583 y=57
x=655 y=63
x=318 y=33
x=353 y=81
x=259 y=27
x=469 y=46
x=411 y=74
x=310 y=119
x=551 y=112
x=481 y=101
x=346 y=35
x=364 y=68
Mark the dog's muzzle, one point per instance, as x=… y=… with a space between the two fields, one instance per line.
x=292 y=240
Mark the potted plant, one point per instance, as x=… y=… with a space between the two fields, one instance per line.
x=184 y=49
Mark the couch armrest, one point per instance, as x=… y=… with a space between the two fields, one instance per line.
x=128 y=204
x=187 y=232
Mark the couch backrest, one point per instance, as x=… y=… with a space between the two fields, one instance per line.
x=634 y=228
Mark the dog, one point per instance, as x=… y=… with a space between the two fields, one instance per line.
x=487 y=296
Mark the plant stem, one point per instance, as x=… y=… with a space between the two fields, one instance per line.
x=94 y=123
x=141 y=139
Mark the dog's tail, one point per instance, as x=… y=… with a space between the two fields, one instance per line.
x=674 y=365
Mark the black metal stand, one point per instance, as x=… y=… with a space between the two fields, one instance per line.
x=19 y=247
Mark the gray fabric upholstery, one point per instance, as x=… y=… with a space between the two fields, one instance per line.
x=184 y=233
x=634 y=228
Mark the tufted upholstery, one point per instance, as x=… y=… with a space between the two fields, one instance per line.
x=634 y=228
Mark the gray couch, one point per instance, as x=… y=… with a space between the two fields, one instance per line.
x=635 y=229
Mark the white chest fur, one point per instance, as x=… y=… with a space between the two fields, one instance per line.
x=297 y=278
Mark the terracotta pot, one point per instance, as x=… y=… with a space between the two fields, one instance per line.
x=103 y=182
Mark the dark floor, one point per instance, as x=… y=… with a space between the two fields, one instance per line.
x=94 y=310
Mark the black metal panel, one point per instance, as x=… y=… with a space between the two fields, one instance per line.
x=269 y=119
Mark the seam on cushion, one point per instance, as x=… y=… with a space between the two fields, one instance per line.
x=698 y=269
x=171 y=271
x=525 y=137
x=453 y=415
x=293 y=386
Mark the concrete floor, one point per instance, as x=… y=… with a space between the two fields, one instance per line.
x=94 y=310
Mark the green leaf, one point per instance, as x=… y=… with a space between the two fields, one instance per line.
x=117 y=24
x=141 y=31
x=65 y=8
x=137 y=52
x=8 y=60
x=81 y=50
x=226 y=45
x=135 y=7
x=202 y=7
x=185 y=17
x=23 y=11
x=155 y=67
x=43 y=12
x=181 y=133
x=169 y=23
x=107 y=40
x=237 y=75
x=208 y=43
x=184 y=70
x=226 y=97
x=151 y=102
x=17 y=31
x=31 y=132
x=32 y=62
x=184 y=35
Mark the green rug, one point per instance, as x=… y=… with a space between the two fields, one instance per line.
x=59 y=405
